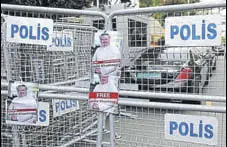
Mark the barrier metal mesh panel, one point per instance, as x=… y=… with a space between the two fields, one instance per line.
x=143 y=36
x=33 y=63
x=150 y=65
x=144 y=127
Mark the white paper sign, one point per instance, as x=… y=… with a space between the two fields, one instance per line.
x=61 y=107
x=190 y=128
x=199 y=30
x=61 y=41
x=29 y=30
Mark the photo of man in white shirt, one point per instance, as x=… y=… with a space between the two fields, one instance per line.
x=105 y=86
x=106 y=51
x=106 y=54
x=105 y=68
x=23 y=106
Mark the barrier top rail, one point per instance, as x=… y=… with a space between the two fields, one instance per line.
x=71 y=26
x=168 y=8
x=51 y=10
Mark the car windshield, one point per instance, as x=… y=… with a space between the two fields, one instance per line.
x=174 y=54
x=167 y=56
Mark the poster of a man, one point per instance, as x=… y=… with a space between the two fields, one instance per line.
x=105 y=73
x=102 y=88
x=108 y=55
x=22 y=104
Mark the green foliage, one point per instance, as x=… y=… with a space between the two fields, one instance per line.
x=70 y=4
x=152 y=3
x=223 y=40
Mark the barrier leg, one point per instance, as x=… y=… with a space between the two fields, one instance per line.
x=112 y=133
x=16 y=137
x=100 y=130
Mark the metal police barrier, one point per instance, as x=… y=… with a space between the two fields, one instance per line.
x=145 y=50
x=45 y=46
x=169 y=126
x=172 y=53
x=147 y=123
x=143 y=123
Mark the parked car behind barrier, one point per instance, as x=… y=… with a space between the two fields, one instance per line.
x=175 y=69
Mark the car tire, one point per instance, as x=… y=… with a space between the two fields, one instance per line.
x=190 y=90
x=193 y=87
x=207 y=78
x=196 y=85
x=190 y=87
x=210 y=72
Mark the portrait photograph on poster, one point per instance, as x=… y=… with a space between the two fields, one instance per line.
x=105 y=72
x=22 y=103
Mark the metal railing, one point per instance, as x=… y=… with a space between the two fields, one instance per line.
x=140 y=121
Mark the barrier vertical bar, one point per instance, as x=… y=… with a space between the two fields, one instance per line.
x=15 y=132
x=6 y=53
x=100 y=130
x=108 y=27
x=16 y=139
x=112 y=133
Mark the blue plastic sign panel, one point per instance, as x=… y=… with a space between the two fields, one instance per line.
x=61 y=107
x=29 y=30
x=61 y=41
x=199 y=30
x=191 y=128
